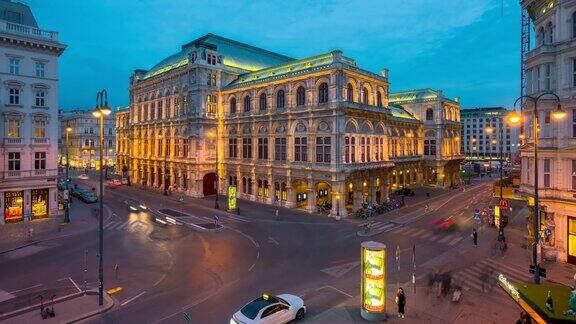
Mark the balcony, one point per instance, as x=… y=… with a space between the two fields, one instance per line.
x=40 y=141
x=28 y=174
x=542 y=49
x=28 y=31
x=367 y=165
x=13 y=141
x=565 y=195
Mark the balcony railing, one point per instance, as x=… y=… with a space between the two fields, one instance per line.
x=547 y=48
x=13 y=141
x=368 y=165
x=41 y=141
x=28 y=174
x=17 y=29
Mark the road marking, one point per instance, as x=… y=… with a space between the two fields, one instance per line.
x=75 y=285
x=427 y=235
x=108 y=225
x=23 y=289
x=340 y=270
x=272 y=240
x=397 y=231
x=131 y=299
x=435 y=237
x=410 y=231
x=338 y=290
x=418 y=233
x=447 y=238
x=456 y=240
x=254 y=264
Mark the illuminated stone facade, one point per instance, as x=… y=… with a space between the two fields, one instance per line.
x=551 y=66
x=313 y=133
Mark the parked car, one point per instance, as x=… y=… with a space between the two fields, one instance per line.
x=61 y=184
x=113 y=184
x=405 y=192
x=83 y=176
x=88 y=197
x=77 y=191
x=271 y=309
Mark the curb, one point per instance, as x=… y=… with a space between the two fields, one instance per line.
x=108 y=300
x=35 y=307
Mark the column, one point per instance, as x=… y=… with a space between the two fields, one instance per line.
x=338 y=205
x=357 y=194
x=373 y=187
x=311 y=197
x=271 y=191
x=291 y=196
x=440 y=177
x=53 y=201
x=27 y=207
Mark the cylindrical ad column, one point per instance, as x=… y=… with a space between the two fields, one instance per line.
x=373 y=281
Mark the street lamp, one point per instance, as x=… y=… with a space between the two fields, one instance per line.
x=490 y=130
x=514 y=118
x=100 y=111
x=67 y=212
x=212 y=135
x=166 y=177
x=337 y=205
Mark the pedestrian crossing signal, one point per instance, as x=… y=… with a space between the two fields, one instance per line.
x=541 y=271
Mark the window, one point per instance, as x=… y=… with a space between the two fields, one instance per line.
x=40 y=161
x=574 y=24
x=574 y=72
x=546 y=173
x=280 y=99
x=14 y=66
x=263 y=148
x=363 y=149
x=40 y=67
x=247 y=104
x=91 y=130
x=429 y=114
x=301 y=149
x=39 y=128
x=233 y=105
x=280 y=149
x=246 y=148
x=111 y=145
x=262 y=101
x=13 y=161
x=547 y=117
x=574 y=123
x=379 y=99
x=429 y=147
x=549 y=33
x=365 y=96
x=323 y=93
x=300 y=96
x=573 y=174
x=323 y=149
x=350 y=93
x=109 y=131
x=86 y=142
x=185 y=147
x=40 y=98
x=211 y=59
x=233 y=147
x=14 y=128
x=347 y=149
x=547 y=74
x=14 y=97
x=353 y=149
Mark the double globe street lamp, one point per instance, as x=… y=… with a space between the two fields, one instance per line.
x=514 y=118
x=100 y=111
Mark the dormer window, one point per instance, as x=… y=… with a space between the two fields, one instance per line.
x=211 y=59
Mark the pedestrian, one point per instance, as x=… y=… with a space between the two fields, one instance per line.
x=549 y=302
x=401 y=302
x=475 y=237
x=277 y=216
x=574 y=286
x=484 y=280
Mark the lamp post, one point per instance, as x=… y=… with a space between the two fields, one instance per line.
x=166 y=177
x=514 y=118
x=338 y=205
x=490 y=130
x=67 y=212
x=212 y=135
x=100 y=111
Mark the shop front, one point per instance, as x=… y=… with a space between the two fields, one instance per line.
x=39 y=203
x=13 y=206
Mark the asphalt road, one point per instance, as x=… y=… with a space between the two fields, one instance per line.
x=168 y=270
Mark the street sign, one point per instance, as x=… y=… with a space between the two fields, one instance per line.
x=216 y=217
x=504 y=205
x=186 y=317
x=65 y=194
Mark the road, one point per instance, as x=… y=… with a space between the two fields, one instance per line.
x=168 y=270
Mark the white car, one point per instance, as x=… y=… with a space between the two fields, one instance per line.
x=83 y=176
x=270 y=309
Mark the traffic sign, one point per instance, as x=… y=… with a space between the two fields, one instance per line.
x=504 y=205
x=186 y=317
x=216 y=217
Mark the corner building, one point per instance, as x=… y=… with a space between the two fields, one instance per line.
x=297 y=133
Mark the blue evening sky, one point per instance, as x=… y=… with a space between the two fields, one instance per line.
x=468 y=48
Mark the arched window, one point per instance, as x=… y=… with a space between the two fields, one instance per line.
x=323 y=93
x=549 y=33
x=280 y=99
x=429 y=114
x=541 y=37
x=365 y=96
x=262 y=101
x=233 y=105
x=379 y=99
x=300 y=96
x=247 y=103
x=350 y=93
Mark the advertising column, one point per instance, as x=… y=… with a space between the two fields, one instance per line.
x=373 y=281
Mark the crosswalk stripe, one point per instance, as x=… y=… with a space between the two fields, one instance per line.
x=410 y=231
x=447 y=238
x=398 y=230
x=516 y=272
x=427 y=235
x=418 y=233
x=121 y=225
x=108 y=225
x=435 y=237
x=456 y=240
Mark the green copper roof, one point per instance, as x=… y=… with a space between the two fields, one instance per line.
x=236 y=55
x=418 y=95
x=399 y=112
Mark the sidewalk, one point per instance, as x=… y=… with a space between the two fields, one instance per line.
x=69 y=309
x=16 y=235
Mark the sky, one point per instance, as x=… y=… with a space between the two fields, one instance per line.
x=467 y=48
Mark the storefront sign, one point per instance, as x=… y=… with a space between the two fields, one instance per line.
x=232 y=197
x=497 y=215
x=510 y=289
x=39 y=203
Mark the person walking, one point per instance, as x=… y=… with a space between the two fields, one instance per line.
x=475 y=237
x=401 y=302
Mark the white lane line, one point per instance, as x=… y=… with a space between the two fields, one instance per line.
x=254 y=264
x=447 y=238
x=122 y=225
x=338 y=290
x=131 y=299
x=397 y=231
x=456 y=240
x=75 y=285
x=109 y=224
x=427 y=235
x=23 y=289
x=410 y=231
x=418 y=233
x=434 y=238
